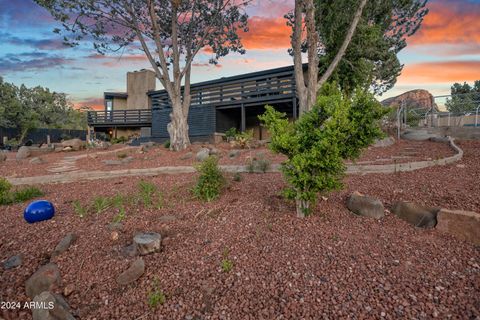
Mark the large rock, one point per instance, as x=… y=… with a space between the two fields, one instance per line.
x=23 y=153
x=365 y=206
x=147 y=242
x=417 y=99
x=75 y=144
x=3 y=156
x=464 y=225
x=44 y=279
x=416 y=215
x=203 y=154
x=54 y=307
x=133 y=273
x=64 y=244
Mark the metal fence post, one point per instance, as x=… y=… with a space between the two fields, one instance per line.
x=476 y=116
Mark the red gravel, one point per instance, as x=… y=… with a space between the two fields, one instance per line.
x=331 y=265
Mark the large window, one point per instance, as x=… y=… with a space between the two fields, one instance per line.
x=109 y=104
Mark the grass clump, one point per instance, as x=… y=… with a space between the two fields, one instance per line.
x=166 y=144
x=259 y=165
x=100 y=204
x=7 y=196
x=79 y=209
x=156 y=296
x=211 y=180
x=226 y=264
x=122 y=155
x=237 y=177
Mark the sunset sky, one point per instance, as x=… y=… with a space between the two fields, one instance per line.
x=445 y=50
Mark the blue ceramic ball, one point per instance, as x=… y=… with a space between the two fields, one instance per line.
x=38 y=211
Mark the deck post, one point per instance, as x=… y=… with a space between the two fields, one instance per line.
x=242 y=123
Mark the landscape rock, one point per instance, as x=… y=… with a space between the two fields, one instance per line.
x=147 y=242
x=13 y=262
x=145 y=146
x=3 y=156
x=385 y=142
x=133 y=273
x=37 y=160
x=214 y=151
x=64 y=244
x=55 y=307
x=203 y=154
x=75 y=144
x=67 y=149
x=115 y=226
x=365 y=206
x=233 y=154
x=416 y=215
x=23 y=153
x=186 y=156
x=43 y=279
x=68 y=290
x=129 y=251
x=464 y=225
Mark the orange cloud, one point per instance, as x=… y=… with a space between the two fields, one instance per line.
x=266 y=33
x=449 y=22
x=94 y=103
x=441 y=72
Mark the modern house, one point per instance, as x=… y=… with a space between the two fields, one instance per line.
x=217 y=105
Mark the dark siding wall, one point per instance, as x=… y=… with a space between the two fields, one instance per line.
x=201 y=121
x=226 y=119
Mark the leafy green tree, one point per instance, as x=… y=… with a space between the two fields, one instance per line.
x=337 y=128
x=371 y=58
x=464 y=97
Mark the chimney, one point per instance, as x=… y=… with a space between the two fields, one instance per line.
x=138 y=84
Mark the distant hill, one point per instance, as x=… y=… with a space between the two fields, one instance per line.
x=418 y=99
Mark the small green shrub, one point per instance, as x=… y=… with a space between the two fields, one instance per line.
x=258 y=165
x=147 y=192
x=100 y=204
x=231 y=133
x=156 y=296
x=237 y=177
x=166 y=144
x=120 y=216
x=79 y=209
x=227 y=265
x=27 y=193
x=20 y=195
x=211 y=180
x=119 y=140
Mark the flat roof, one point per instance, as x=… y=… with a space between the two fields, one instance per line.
x=115 y=94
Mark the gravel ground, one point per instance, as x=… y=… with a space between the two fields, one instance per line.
x=331 y=265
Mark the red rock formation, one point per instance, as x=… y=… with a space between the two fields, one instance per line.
x=418 y=99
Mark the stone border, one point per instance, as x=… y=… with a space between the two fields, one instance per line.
x=407 y=166
x=351 y=169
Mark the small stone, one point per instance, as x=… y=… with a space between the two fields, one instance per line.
x=13 y=262
x=133 y=273
x=186 y=156
x=147 y=242
x=114 y=235
x=214 y=151
x=64 y=244
x=68 y=290
x=3 y=156
x=115 y=226
x=129 y=251
x=23 y=153
x=233 y=154
x=203 y=154
x=43 y=279
x=37 y=160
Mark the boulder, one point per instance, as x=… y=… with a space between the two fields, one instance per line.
x=214 y=151
x=13 y=262
x=464 y=225
x=365 y=206
x=416 y=215
x=64 y=244
x=75 y=144
x=186 y=156
x=385 y=142
x=147 y=242
x=417 y=98
x=37 y=160
x=233 y=154
x=3 y=156
x=42 y=280
x=203 y=154
x=54 y=307
x=137 y=268
x=23 y=153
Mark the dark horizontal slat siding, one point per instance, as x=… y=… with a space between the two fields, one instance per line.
x=201 y=121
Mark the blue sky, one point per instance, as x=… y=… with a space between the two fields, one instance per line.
x=445 y=50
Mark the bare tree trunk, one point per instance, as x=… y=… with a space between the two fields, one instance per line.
x=303 y=206
x=343 y=48
x=178 y=127
x=313 y=40
x=297 y=56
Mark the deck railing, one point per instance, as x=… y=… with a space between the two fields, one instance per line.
x=120 y=117
x=264 y=88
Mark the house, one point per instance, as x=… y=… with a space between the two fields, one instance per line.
x=217 y=105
